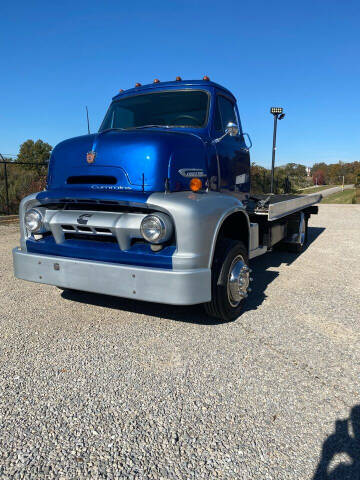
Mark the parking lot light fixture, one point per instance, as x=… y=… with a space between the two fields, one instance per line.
x=278 y=113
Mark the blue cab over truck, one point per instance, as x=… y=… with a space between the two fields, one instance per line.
x=156 y=206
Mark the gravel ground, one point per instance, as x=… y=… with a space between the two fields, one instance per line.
x=97 y=387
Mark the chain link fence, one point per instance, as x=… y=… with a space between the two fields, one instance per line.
x=18 y=179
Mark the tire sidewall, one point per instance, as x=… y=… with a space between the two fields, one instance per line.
x=227 y=252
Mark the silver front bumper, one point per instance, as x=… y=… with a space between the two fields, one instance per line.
x=175 y=287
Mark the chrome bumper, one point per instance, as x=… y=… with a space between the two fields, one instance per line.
x=175 y=287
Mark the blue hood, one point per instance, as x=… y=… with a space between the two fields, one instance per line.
x=140 y=160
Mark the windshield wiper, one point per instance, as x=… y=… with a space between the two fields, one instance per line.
x=112 y=128
x=147 y=126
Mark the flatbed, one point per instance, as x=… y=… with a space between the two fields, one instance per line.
x=278 y=206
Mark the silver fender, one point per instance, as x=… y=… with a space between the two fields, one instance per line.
x=26 y=203
x=197 y=218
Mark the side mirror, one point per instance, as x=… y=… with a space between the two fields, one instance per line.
x=232 y=129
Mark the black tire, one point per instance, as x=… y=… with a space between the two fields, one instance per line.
x=299 y=247
x=219 y=306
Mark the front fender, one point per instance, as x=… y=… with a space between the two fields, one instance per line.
x=197 y=218
x=26 y=203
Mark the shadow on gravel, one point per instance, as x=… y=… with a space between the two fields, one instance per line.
x=262 y=274
x=345 y=445
x=187 y=314
x=194 y=314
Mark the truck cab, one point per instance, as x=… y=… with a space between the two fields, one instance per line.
x=156 y=205
x=158 y=133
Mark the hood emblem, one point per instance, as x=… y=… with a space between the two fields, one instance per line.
x=90 y=157
x=84 y=218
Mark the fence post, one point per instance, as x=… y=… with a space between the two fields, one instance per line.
x=6 y=190
x=6 y=185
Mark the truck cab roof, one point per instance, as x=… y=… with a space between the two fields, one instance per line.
x=176 y=84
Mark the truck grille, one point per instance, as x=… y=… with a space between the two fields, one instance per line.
x=115 y=227
x=84 y=229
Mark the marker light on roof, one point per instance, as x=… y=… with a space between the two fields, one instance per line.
x=137 y=84
x=156 y=80
x=178 y=79
x=206 y=78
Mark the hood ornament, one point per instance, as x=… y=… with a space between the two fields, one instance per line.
x=90 y=157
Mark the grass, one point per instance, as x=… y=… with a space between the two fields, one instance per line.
x=347 y=196
x=316 y=189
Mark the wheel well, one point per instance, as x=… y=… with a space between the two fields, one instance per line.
x=236 y=227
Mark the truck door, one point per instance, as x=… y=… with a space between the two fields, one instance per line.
x=233 y=155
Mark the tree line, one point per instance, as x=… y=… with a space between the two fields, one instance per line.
x=336 y=173
x=293 y=177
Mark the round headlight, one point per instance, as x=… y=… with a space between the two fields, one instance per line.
x=156 y=228
x=33 y=220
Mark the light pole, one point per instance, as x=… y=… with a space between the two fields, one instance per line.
x=277 y=112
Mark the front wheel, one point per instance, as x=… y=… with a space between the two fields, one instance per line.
x=230 y=280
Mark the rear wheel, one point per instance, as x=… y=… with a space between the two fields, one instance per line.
x=230 y=280
x=300 y=236
x=297 y=233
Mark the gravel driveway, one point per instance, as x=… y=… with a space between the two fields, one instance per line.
x=98 y=387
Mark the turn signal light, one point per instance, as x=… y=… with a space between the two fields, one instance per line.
x=138 y=84
x=206 y=78
x=195 y=184
x=156 y=80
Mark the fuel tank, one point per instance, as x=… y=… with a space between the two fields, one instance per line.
x=138 y=160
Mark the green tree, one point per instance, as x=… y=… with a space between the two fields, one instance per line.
x=34 y=152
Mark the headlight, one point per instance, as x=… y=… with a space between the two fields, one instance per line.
x=33 y=220
x=156 y=228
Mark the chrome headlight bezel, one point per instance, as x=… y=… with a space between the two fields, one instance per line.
x=36 y=217
x=159 y=222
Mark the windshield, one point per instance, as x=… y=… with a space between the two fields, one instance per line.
x=164 y=109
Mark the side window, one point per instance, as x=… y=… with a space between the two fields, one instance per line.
x=217 y=120
x=224 y=113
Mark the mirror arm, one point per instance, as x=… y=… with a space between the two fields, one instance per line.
x=217 y=140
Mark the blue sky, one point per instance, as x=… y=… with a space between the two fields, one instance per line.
x=57 y=57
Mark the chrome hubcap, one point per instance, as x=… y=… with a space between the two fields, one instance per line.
x=238 y=281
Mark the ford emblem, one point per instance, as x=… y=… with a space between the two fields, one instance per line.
x=90 y=157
